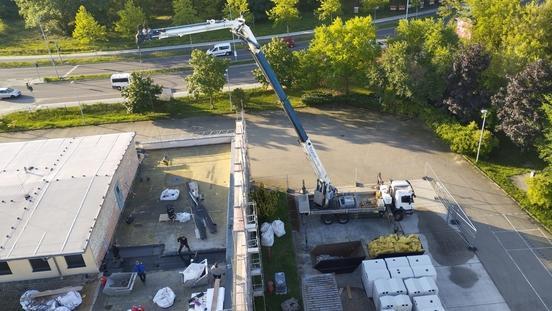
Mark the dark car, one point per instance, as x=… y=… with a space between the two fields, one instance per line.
x=290 y=42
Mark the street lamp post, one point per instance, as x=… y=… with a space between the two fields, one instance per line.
x=80 y=106
x=48 y=47
x=407 y=5
x=484 y=112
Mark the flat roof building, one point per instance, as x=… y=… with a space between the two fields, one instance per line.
x=60 y=200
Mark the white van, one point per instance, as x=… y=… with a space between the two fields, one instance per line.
x=120 y=80
x=221 y=49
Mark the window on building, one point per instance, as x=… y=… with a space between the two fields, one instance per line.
x=4 y=268
x=75 y=261
x=40 y=264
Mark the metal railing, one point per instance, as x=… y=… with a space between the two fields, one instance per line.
x=455 y=213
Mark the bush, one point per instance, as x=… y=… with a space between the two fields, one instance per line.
x=239 y=99
x=317 y=97
x=539 y=192
x=465 y=139
x=324 y=97
x=267 y=202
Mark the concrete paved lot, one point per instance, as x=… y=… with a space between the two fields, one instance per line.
x=358 y=141
x=209 y=166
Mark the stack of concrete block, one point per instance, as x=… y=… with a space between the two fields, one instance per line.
x=427 y=303
x=372 y=270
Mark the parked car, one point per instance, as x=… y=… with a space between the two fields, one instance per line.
x=289 y=41
x=221 y=49
x=120 y=80
x=8 y=92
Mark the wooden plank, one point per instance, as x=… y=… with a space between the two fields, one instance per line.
x=215 y=295
x=56 y=291
x=163 y=217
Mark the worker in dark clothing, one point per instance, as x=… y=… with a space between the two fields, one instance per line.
x=115 y=251
x=141 y=270
x=183 y=243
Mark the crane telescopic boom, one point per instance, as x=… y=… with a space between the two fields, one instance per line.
x=324 y=189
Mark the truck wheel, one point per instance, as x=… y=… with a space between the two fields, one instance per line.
x=398 y=215
x=342 y=219
x=327 y=219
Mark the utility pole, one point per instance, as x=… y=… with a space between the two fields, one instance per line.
x=407 y=5
x=48 y=47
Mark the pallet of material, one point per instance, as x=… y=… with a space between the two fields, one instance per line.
x=320 y=293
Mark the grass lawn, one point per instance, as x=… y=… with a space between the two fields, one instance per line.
x=281 y=260
x=260 y=99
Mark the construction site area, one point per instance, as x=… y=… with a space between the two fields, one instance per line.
x=438 y=236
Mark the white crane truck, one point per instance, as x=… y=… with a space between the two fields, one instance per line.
x=396 y=197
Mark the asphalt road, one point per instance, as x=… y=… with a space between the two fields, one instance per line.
x=100 y=89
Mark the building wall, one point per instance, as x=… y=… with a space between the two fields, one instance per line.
x=108 y=217
x=21 y=269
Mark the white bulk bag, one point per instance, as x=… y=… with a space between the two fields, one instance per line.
x=267 y=237
x=164 y=297
x=265 y=226
x=278 y=228
x=70 y=300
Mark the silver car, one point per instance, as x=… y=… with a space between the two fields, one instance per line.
x=7 y=92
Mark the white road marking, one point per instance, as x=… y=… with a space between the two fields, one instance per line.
x=529 y=246
x=71 y=70
x=520 y=271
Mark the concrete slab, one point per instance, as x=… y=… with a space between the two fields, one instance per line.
x=209 y=166
x=467 y=286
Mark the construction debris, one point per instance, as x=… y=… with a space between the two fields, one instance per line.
x=67 y=298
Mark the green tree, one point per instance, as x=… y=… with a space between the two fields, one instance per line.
x=544 y=145
x=130 y=17
x=465 y=96
x=519 y=104
x=87 y=28
x=344 y=52
x=328 y=8
x=284 y=11
x=52 y=15
x=239 y=98
x=282 y=61
x=267 y=202
x=207 y=76
x=184 y=12
x=209 y=9
x=539 y=191
x=373 y=5
x=2 y=27
x=417 y=67
x=395 y=65
x=236 y=8
x=141 y=94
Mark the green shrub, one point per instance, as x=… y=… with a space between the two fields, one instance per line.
x=267 y=202
x=539 y=192
x=324 y=97
x=317 y=97
x=464 y=139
